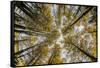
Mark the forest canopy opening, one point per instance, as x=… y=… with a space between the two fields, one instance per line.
x=48 y=33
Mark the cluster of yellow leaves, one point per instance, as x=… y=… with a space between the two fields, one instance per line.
x=44 y=50
x=57 y=60
x=47 y=13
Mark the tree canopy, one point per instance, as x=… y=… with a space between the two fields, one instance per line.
x=53 y=33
